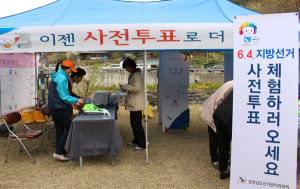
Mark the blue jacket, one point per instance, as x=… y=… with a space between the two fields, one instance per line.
x=59 y=94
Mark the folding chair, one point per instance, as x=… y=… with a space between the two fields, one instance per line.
x=48 y=125
x=13 y=118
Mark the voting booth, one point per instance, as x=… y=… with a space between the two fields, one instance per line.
x=173 y=96
x=175 y=25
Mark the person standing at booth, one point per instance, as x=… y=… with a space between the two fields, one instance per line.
x=223 y=121
x=75 y=77
x=135 y=103
x=58 y=99
x=207 y=110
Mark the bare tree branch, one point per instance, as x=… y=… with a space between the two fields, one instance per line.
x=268 y=4
x=283 y=6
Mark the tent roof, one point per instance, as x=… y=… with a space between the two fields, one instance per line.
x=79 y=12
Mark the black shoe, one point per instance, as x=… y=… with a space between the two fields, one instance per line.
x=224 y=175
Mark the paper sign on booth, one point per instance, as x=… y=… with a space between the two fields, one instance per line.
x=17 y=84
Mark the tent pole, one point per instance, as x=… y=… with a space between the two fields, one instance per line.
x=206 y=56
x=146 y=112
x=0 y=104
x=36 y=78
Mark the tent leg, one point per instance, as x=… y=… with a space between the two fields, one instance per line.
x=36 y=77
x=146 y=113
x=206 y=56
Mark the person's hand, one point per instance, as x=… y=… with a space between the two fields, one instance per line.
x=84 y=102
x=81 y=101
x=75 y=106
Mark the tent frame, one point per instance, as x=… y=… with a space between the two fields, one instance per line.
x=146 y=111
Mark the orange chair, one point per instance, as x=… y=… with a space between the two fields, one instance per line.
x=13 y=118
x=48 y=125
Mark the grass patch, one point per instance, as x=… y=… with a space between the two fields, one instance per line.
x=152 y=87
x=198 y=62
x=117 y=88
x=96 y=64
x=101 y=63
x=111 y=88
x=205 y=86
x=197 y=86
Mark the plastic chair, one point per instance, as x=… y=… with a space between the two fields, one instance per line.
x=13 y=118
x=48 y=125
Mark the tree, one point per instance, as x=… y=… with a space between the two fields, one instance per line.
x=73 y=55
x=243 y=3
x=270 y=6
x=117 y=54
x=56 y=57
x=89 y=84
x=275 y=6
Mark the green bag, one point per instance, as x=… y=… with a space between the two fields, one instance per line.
x=91 y=107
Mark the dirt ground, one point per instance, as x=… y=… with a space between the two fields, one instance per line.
x=178 y=159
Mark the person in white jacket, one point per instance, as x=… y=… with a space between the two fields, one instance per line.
x=135 y=103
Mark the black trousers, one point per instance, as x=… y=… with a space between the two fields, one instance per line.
x=62 y=124
x=223 y=144
x=213 y=144
x=70 y=110
x=137 y=128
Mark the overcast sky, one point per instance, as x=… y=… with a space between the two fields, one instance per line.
x=11 y=7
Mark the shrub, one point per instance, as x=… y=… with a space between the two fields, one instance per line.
x=152 y=87
x=111 y=88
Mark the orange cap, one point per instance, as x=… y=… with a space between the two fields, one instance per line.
x=69 y=63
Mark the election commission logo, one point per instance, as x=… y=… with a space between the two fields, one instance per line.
x=242 y=180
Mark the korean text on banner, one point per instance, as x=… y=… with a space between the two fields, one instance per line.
x=116 y=37
x=265 y=95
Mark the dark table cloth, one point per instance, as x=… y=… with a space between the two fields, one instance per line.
x=92 y=135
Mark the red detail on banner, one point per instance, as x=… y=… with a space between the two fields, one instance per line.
x=117 y=34
x=167 y=38
x=143 y=34
x=90 y=36
x=101 y=36
x=117 y=43
x=166 y=129
x=16 y=39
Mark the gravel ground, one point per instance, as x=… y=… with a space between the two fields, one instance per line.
x=178 y=159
